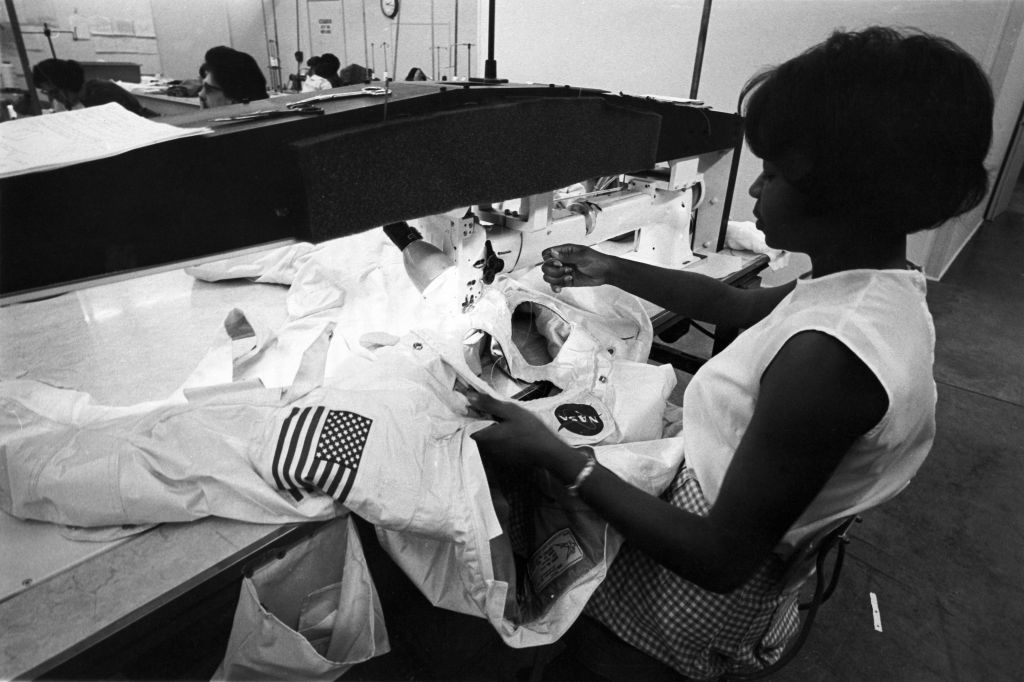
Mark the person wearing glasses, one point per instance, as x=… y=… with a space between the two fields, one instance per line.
x=230 y=77
x=64 y=82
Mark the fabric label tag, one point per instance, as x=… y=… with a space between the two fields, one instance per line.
x=553 y=558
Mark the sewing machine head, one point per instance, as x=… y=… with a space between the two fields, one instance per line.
x=651 y=216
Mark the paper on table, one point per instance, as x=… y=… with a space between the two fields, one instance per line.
x=39 y=143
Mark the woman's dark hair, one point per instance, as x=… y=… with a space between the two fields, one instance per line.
x=236 y=73
x=895 y=125
x=327 y=66
x=63 y=74
x=354 y=73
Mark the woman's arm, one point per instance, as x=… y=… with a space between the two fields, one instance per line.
x=696 y=296
x=816 y=399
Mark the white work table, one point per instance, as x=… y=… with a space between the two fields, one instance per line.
x=124 y=342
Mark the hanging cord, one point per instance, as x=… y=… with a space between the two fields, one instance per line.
x=394 y=65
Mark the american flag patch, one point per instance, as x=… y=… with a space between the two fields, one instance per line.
x=319 y=449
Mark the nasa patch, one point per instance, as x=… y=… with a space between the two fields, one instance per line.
x=583 y=420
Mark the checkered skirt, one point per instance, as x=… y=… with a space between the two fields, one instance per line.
x=699 y=633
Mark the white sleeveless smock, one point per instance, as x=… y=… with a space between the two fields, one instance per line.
x=883 y=318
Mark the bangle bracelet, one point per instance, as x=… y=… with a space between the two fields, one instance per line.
x=585 y=472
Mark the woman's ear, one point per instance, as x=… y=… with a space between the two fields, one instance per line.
x=795 y=166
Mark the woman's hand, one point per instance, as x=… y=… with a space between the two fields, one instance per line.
x=518 y=437
x=572 y=265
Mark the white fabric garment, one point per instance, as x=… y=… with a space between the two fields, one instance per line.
x=170 y=460
x=883 y=318
x=357 y=282
x=308 y=614
x=380 y=428
x=389 y=436
x=314 y=83
x=66 y=460
x=467 y=575
x=277 y=266
x=597 y=345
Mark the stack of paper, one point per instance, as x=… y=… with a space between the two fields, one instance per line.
x=39 y=143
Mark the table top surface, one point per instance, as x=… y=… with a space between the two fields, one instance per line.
x=123 y=342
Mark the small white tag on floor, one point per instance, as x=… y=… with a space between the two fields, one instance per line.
x=875 y=613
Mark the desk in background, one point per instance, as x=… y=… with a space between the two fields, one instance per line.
x=114 y=71
x=166 y=105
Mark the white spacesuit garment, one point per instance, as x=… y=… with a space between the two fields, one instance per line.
x=389 y=437
x=66 y=460
x=381 y=428
x=598 y=342
x=439 y=523
x=464 y=559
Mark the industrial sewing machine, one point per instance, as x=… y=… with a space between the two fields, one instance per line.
x=648 y=216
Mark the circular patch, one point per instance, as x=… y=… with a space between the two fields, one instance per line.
x=582 y=420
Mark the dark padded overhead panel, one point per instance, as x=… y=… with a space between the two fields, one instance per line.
x=367 y=161
x=366 y=176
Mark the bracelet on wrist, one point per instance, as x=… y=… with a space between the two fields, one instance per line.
x=588 y=468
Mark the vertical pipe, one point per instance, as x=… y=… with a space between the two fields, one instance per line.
x=48 y=33
x=366 y=53
x=277 y=45
x=491 y=66
x=309 y=30
x=698 y=62
x=344 y=33
x=455 y=43
x=227 y=17
x=19 y=41
x=398 y=27
x=433 y=45
x=734 y=167
x=266 y=43
x=277 y=38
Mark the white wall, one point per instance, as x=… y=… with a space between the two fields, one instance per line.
x=185 y=29
x=123 y=33
x=413 y=31
x=648 y=46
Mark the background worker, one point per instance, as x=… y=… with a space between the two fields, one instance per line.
x=327 y=67
x=230 y=77
x=63 y=81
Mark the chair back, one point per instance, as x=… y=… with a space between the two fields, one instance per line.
x=803 y=563
x=807 y=562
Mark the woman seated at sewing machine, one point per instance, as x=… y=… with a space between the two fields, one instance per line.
x=825 y=406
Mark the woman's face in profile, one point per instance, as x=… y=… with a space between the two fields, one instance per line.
x=211 y=95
